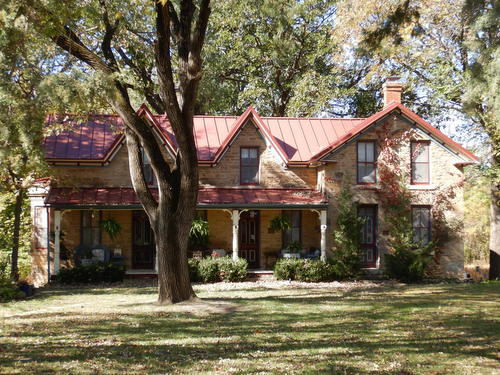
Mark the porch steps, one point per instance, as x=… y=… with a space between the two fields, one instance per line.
x=254 y=275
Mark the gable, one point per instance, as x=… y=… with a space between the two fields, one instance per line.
x=399 y=111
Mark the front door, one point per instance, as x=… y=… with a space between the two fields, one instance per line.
x=143 y=249
x=249 y=238
x=369 y=235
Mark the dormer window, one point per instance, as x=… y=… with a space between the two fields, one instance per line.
x=249 y=165
x=146 y=167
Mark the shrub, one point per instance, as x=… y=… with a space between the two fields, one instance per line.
x=315 y=271
x=285 y=268
x=409 y=265
x=230 y=270
x=347 y=252
x=211 y=270
x=309 y=270
x=9 y=292
x=4 y=270
x=194 y=266
x=98 y=272
x=208 y=270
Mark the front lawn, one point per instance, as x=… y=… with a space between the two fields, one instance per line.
x=256 y=328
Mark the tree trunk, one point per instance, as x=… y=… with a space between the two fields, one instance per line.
x=495 y=232
x=14 y=269
x=173 y=273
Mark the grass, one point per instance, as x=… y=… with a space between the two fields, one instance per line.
x=253 y=328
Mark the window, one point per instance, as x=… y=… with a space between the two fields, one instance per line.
x=91 y=228
x=249 y=165
x=146 y=167
x=420 y=162
x=421 y=223
x=367 y=173
x=294 y=233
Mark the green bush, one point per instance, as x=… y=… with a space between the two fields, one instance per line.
x=346 y=251
x=194 y=266
x=4 y=271
x=315 y=271
x=285 y=268
x=208 y=269
x=9 y=292
x=98 y=272
x=211 y=270
x=409 y=265
x=230 y=270
x=309 y=270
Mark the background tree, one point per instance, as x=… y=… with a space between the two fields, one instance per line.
x=278 y=56
x=448 y=52
x=96 y=34
x=20 y=129
x=34 y=80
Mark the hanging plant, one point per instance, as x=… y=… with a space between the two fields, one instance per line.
x=279 y=223
x=199 y=234
x=111 y=227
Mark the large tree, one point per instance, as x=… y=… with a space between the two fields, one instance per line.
x=449 y=53
x=101 y=35
x=21 y=105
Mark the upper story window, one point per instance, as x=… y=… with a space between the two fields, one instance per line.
x=367 y=170
x=420 y=171
x=249 y=165
x=421 y=224
x=146 y=167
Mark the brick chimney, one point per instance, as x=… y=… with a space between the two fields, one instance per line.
x=392 y=90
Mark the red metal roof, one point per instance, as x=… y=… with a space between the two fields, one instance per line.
x=83 y=138
x=207 y=196
x=297 y=140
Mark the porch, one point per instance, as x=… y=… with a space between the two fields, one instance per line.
x=239 y=222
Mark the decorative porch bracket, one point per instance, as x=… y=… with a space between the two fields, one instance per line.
x=322 y=214
x=235 y=218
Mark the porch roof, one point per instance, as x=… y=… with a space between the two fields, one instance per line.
x=208 y=197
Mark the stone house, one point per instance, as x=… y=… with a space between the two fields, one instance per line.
x=252 y=169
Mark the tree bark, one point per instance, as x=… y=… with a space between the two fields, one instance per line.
x=18 y=208
x=171 y=241
x=495 y=232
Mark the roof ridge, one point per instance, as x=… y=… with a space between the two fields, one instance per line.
x=312 y=118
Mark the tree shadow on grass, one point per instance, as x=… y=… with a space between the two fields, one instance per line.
x=317 y=330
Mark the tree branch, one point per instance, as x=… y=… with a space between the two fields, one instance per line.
x=108 y=35
x=137 y=174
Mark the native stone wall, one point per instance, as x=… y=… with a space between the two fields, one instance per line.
x=442 y=175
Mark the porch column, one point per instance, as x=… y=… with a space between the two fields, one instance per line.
x=235 y=217
x=323 y=226
x=57 y=241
